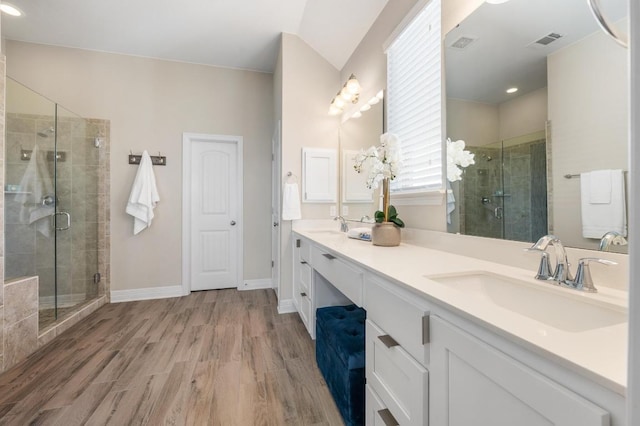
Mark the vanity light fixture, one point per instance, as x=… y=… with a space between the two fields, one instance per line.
x=512 y=90
x=350 y=92
x=10 y=9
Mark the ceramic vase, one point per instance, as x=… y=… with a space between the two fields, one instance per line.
x=385 y=234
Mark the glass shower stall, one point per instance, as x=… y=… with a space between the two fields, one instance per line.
x=52 y=198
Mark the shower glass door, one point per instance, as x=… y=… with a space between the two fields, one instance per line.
x=51 y=199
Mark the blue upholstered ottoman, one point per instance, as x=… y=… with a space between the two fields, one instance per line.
x=340 y=357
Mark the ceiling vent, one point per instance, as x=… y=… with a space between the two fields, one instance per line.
x=546 y=40
x=463 y=42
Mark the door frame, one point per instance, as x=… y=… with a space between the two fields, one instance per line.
x=276 y=202
x=187 y=140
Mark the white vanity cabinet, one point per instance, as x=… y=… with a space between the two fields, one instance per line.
x=321 y=279
x=427 y=364
x=397 y=351
x=473 y=383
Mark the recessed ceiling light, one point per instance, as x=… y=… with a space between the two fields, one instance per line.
x=10 y=9
x=512 y=90
x=496 y=1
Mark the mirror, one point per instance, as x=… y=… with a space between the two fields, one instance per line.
x=567 y=117
x=356 y=201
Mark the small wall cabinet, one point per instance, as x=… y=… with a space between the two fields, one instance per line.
x=319 y=175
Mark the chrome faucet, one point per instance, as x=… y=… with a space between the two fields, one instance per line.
x=611 y=238
x=344 y=227
x=561 y=273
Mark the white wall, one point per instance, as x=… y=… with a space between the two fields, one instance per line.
x=588 y=109
x=523 y=115
x=150 y=104
x=475 y=123
x=308 y=83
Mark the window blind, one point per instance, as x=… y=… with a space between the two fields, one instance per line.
x=414 y=101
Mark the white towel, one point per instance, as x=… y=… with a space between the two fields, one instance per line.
x=35 y=185
x=291 y=202
x=144 y=195
x=599 y=217
x=600 y=186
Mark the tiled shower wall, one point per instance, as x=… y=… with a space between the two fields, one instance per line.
x=512 y=178
x=84 y=191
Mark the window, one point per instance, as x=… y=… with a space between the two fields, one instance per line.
x=414 y=102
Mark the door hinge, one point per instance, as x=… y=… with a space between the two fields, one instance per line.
x=298 y=243
x=272 y=263
x=96 y=278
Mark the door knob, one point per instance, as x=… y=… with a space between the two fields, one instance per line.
x=233 y=222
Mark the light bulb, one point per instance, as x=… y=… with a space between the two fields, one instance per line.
x=357 y=114
x=512 y=90
x=380 y=95
x=338 y=102
x=374 y=100
x=10 y=9
x=365 y=107
x=333 y=110
x=345 y=94
x=353 y=86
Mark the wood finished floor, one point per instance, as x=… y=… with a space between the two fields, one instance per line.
x=211 y=358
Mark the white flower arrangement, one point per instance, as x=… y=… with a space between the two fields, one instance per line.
x=457 y=159
x=382 y=161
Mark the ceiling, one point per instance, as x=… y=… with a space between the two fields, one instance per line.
x=228 y=33
x=502 y=54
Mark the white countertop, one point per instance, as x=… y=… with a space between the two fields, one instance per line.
x=600 y=354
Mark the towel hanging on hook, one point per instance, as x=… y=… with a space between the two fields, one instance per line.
x=156 y=160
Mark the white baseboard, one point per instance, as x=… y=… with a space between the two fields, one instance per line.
x=255 y=284
x=146 y=293
x=286 y=306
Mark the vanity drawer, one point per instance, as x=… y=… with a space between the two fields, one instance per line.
x=405 y=317
x=305 y=313
x=304 y=250
x=343 y=276
x=376 y=413
x=304 y=277
x=399 y=380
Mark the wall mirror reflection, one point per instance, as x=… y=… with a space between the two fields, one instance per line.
x=539 y=94
x=359 y=133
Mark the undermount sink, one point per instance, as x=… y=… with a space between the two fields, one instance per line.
x=550 y=305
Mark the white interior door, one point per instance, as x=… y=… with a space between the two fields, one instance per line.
x=276 y=181
x=213 y=175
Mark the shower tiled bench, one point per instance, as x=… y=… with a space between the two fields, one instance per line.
x=340 y=356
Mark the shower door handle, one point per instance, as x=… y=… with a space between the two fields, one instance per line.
x=62 y=228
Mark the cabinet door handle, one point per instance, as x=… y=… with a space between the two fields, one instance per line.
x=303 y=294
x=304 y=262
x=388 y=341
x=328 y=256
x=425 y=329
x=387 y=417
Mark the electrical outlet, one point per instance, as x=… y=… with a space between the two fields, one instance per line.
x=345 y=210
x=332 y=211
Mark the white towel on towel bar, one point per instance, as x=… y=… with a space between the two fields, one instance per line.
x=599 y=216
x=36 y=185
x=291 y=202
x=144 y=195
